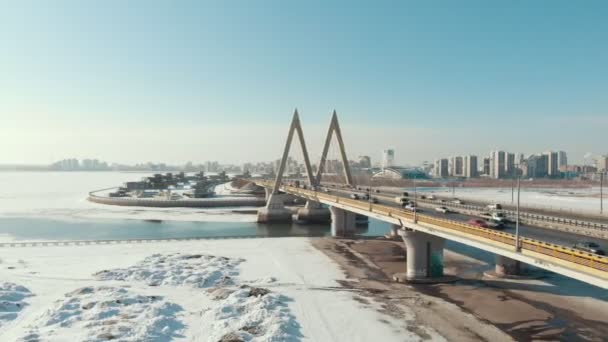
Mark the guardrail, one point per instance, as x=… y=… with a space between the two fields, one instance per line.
x=575 y=256
x=523 y=214
x=58 y=243
x=513 y=213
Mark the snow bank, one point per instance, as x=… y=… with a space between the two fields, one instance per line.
x=106 y=313
x=250 y=314
x=12 y=301
x=305 y=301
x=176 y=269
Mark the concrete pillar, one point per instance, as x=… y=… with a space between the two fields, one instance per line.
x=424 y=254
x=313 y=212
x=342 y=222
x=507 y=266
x=394 y=232
x=275 y=210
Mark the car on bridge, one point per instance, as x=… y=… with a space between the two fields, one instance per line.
x=589 y=246
x=478 y=223
x=443 y=210
x=401 y=200
x=374 y=200
x=431 y=197
x=354 y=196
x=495 y=225
x=457 y=201
x=494 y=206
x=496 y=217
x=412 y=207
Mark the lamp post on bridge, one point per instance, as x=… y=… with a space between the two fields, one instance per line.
x=415 y=201
x=517 y=218
x=369 y=199
x=602 y=192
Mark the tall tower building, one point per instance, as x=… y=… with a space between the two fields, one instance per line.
x=552 y=165
x=487 y=166
x=441 y=168
x=388 y=158
x=457 y=167
x=509 y=164
x=497 y=164
x=562 y=159
x=470 y=166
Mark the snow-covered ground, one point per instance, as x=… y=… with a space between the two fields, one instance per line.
x=586 y=199
x=62 y=195
x=252 y=290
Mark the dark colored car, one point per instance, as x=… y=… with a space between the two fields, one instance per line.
x=589 y=246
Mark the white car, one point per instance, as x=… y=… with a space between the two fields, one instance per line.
x=499 y=217
x=431 y=197
x=411 y=207
x=443 y=210
x=457 y=201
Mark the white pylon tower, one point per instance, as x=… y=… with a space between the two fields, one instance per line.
x=334 y=127
x=295 y=127
x=275 y=210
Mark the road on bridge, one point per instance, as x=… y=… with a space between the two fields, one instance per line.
x=544 y=234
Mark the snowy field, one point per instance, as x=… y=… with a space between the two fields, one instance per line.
x=62 y=195
x=586 y=200
x=249 y=290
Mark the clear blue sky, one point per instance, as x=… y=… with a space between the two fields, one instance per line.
x=192 y=80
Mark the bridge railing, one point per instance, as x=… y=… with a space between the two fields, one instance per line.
x=572 y=255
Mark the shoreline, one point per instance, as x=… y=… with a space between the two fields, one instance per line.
x=473 y=308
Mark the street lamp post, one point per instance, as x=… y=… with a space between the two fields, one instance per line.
x=517 y=218
x=370 y=192
x=512 y=188
x=415 y=201
x=602 y=192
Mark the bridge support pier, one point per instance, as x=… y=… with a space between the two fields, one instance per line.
x=424 y=255
x=313 y=212
x=342 y=222
x=507 y=267
x=393 y=234
x=275 y=210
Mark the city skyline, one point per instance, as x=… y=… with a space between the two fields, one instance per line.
x=204 y=78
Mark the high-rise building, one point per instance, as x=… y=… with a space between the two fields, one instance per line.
x=536 y=166
x=441 y=168
x=486 y=166
x=552 y=165
x=365 y=162
x=519 y=159
x=497 y=164
x=388 y=158
x=457 y=167
x=562 y=159
x=509 y=164
x=470 y=166
x=602 y=163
